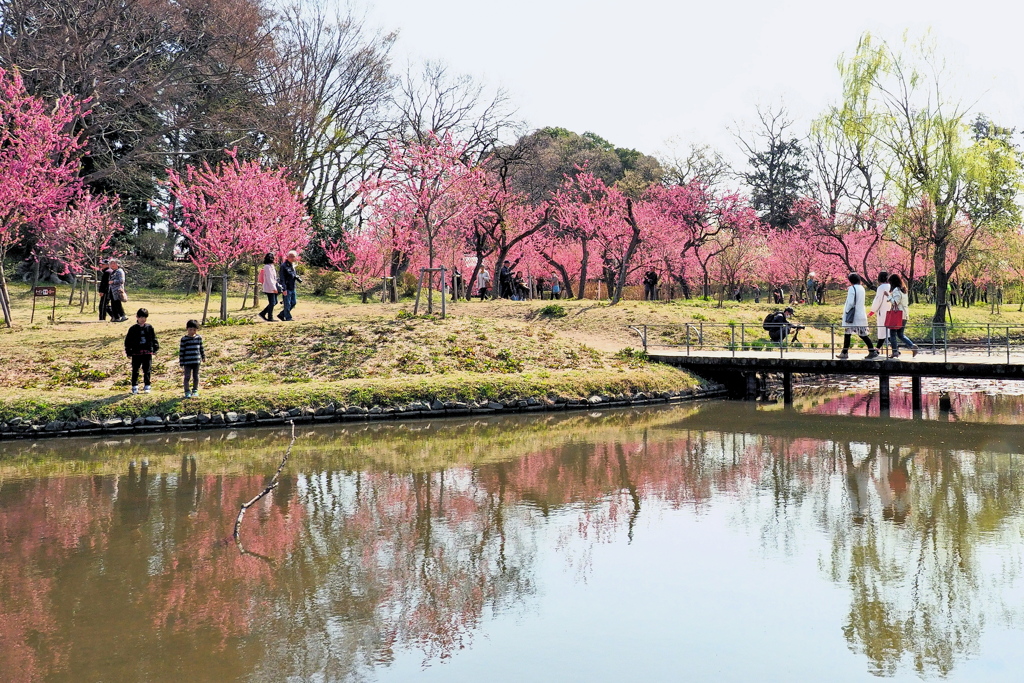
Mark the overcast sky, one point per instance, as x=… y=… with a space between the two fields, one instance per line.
x=641 y=72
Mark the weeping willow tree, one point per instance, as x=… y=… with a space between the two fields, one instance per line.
x=947 y=183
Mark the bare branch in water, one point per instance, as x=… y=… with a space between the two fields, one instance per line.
x=270 y=487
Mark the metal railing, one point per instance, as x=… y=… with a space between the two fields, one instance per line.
x=982 y=342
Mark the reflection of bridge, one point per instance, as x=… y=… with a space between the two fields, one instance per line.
x=745 y=418
x=738 y=370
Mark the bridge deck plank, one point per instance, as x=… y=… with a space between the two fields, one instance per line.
x=975 y=366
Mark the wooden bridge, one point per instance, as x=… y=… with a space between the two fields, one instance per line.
x=738 y=370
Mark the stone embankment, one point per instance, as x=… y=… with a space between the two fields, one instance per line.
x=19 y=428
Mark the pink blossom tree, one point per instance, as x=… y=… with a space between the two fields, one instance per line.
x=362 y=254
x=851 y=239
x=39 y=162
x=234 y=210
x=420 y=198
x=81 y=234
x=694 y=224
x=505 y=220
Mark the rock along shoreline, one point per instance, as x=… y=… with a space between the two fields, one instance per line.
x=19 y=428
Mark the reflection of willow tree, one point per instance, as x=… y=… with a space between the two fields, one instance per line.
x=917 y=588
x=910 y=548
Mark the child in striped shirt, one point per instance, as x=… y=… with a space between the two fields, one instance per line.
x=190 y=355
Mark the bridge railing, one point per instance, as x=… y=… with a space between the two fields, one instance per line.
x=999 y=343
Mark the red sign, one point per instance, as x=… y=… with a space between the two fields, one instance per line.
x=46 y=291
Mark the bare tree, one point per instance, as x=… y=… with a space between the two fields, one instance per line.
x=701 y=163
x=328 y=89
x=430 y=99
x=162 y=77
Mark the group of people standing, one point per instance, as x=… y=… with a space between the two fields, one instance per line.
x=141 y=344
x=112 y=291
x=275 y=281
x=511 y=284
x=890 y=305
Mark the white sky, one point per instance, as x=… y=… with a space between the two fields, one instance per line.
x=641 y=72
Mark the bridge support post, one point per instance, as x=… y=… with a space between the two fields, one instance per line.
x=883 y=392
x=915 y=395
x=787 y=388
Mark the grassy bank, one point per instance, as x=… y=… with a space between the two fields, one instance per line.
x=347 y=353
x=461 y=387
x=337 y=352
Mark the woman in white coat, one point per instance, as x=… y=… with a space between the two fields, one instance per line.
x=855 y=319
x=880 y=306
x=268 y=278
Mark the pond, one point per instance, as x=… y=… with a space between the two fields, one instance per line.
x=714 y=541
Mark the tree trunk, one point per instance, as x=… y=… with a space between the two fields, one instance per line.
x=912 y=295
x=209 y=290
x=583 y=269
x=255 y=284
x=5 y=299
x=397 y=264
x=634 y=242
x=224 y=296
x=566 y=288
x=941 y=282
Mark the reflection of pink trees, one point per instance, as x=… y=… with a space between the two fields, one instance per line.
x=40 y=528
x=419 y=559
x=200 y=585
x=79 y=539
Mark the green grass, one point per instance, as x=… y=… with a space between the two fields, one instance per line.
x=392 y=392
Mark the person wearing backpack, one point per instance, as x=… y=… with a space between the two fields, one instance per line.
x=855 y=319
x=778 y=326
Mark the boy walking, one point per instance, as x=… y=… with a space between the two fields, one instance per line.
x=190 y=355
x=140 y=344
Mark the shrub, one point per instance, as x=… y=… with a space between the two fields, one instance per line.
x=228 y=322
x=151 y=245
x=321 y=280
x=632 y=356
x=408 y=284
x=553 y=311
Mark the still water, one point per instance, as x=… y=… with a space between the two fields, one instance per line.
x=711 y=542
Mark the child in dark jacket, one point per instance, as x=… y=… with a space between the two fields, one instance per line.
x=190 y=355
x=140 y=344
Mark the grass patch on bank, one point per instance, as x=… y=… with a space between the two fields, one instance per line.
x=367 y=393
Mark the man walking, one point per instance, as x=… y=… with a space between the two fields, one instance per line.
x=287 y=279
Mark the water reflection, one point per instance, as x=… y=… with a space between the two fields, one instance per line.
x=379 y=546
